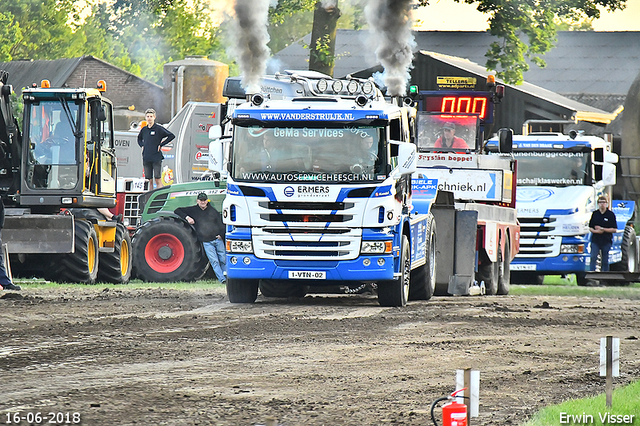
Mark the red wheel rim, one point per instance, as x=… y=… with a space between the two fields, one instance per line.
x=164 y=253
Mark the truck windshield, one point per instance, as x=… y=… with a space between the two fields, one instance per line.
x=52 y=145
x=547 y=168
x=307 y=154
x=447 y=132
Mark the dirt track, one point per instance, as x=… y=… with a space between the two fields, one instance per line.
x=166 y=357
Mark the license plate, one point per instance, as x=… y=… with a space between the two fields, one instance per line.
x=521 y=267
x=308 y=275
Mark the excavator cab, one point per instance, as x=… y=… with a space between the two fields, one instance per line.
x=68 y=149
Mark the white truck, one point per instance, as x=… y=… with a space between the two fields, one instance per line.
x=559 y=179
x=310 y=203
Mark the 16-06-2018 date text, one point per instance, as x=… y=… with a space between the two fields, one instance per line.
x=48 y=418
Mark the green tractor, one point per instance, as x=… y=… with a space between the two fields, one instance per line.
x=165 y=247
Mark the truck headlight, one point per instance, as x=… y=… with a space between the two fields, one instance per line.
x=572 y=248
x=239 y=246
x=376 y=247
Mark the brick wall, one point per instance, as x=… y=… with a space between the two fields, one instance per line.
x=123 y=89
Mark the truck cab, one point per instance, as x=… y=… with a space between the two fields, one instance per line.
x=559 y=180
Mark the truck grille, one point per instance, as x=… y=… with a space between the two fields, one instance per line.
x=131 y=209
x=536 y=238
x=307 y=231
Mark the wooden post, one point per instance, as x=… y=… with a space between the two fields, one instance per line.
x=609 y=380
x=467 y=393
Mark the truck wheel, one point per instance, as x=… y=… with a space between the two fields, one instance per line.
x=396 y=292
x=273 y=288
x=166 y=249
x=242 y=291
x=629 y=261
x=489 y=272
x=581 y=279
x=504 y=281
x=115 y=267
x=423 y=279
x=82 y=265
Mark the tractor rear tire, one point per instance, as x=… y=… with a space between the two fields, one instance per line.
x=166 y=249
x=115 y=267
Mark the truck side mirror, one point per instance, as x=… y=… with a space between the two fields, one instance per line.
x=505 y=137
x=407 y=159
x=102 y=115
x=215 y=132
x=216 y=152
x=610 y=157
x=608 y=174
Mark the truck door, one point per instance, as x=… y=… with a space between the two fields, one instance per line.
x=106 y=165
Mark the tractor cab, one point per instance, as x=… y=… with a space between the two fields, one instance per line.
x=68 y=156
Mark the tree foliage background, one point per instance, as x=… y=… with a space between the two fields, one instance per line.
x=140 y=36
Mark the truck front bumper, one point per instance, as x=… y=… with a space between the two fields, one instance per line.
x=559 y=265
x=247 y=266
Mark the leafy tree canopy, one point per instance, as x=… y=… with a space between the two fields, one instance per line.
x=527 y=29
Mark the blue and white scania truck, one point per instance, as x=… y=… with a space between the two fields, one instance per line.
x=559 y=180
x=319 y=194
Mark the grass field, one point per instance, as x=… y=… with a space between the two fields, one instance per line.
x=593 y=411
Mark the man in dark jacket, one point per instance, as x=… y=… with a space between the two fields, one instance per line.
x=152 y=138
x=602 y=225
x=210 y=230
x=5 y=281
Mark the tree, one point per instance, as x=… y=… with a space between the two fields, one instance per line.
x=535 y=21
x=9 y=34
x=46 y=28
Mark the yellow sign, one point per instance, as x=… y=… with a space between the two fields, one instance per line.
x=456 y=82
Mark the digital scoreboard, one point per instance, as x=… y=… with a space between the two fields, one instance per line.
x=458 y=102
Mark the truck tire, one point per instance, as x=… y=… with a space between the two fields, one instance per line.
x=241 y=290
x=166 y=249
x=396 y=292
x=81 y=266
x=504 y=280
x=629 y=248
x=489 y=272
x=273 y=288
x=115 y=267
x=423 y=279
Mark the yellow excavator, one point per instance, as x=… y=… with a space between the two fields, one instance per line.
x=55 y=175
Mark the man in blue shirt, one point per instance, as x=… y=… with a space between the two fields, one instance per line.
x=602 y=225
x=152 y=138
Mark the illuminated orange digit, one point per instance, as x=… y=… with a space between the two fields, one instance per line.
x=461 y=104
x=448 y=104
x=480 y=106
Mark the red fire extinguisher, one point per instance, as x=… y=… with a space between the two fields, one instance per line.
x=453 y=413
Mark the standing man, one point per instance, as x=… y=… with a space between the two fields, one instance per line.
x=210 y=231
x=152 y=138
x=5 y=281
x=603 y=225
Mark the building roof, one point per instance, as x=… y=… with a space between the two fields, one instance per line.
x=26 y=73
x=581 y=61
x=57 y=71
